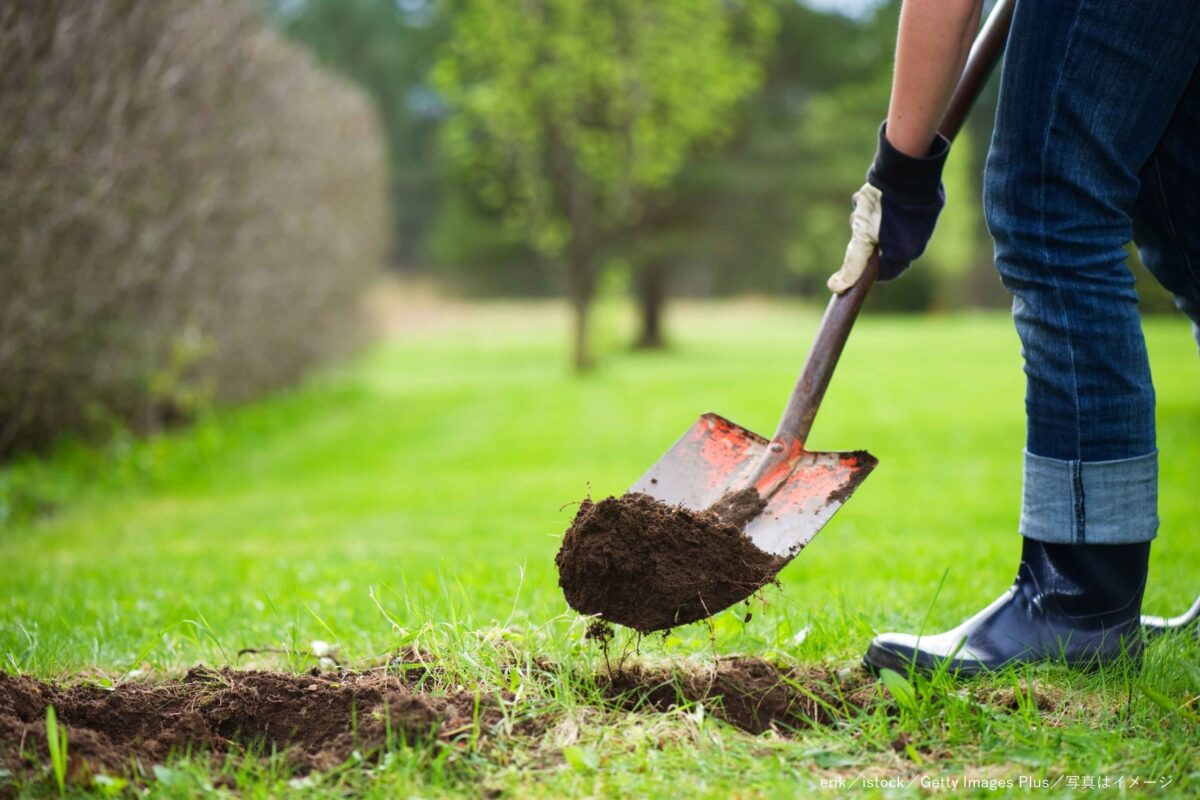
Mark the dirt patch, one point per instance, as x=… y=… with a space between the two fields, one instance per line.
x=750 y=693
x=866 y=462
x=738 y=508
x=637 y=562
x=319 y=719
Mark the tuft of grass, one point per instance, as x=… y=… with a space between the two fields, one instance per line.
x=56 y=743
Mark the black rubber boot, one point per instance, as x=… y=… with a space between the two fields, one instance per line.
x=1078 y=604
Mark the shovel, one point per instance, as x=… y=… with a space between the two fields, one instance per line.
x=717 y=459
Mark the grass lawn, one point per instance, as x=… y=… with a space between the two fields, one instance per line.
x=416 y=497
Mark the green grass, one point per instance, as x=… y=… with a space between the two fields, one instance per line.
x=416 y=496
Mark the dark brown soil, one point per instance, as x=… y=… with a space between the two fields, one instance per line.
x=753 y=694
x=320 y=719
x=637 y=562
x=738 y=508
x=866 y=462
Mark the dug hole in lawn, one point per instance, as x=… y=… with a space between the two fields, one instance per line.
x=318 y=721
x=648 y=566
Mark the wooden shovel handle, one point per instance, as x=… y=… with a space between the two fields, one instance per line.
x=843 y=309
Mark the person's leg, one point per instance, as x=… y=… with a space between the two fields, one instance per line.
x=1166 y=217
x=1088 y=89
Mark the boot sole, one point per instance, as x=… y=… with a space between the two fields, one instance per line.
x=879 y=658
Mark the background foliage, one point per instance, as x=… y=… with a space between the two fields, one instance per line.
x=764 y=211
x=566 y=117
x=189 y=211
x=189 y=207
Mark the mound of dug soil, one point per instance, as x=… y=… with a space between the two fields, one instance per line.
x=750 y=693
x=648 y=566
x=321 y=718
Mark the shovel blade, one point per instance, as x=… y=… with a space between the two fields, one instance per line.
x=716 y=456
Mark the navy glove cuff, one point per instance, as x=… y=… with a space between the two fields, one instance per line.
x=906 y=178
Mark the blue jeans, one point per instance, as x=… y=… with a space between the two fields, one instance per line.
x=1097 y=142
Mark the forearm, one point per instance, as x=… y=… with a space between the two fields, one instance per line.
x=931 y=49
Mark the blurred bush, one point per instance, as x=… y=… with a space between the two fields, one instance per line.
x=189 y=212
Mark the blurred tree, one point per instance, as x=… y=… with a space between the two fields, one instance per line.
x=568 y=115
x=759 y=205
x=388 y=48
x=769 y=211
x=728 y=219
x=474 y=253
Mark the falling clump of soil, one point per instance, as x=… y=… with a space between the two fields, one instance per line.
x=320 y=720
x=640 y=563
x=599 y=631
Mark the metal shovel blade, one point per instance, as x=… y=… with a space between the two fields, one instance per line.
x=717 y=456
x=804 y=489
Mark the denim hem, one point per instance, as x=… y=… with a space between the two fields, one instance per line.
x=1090 y=502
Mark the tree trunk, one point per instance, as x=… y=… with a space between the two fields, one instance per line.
x=651 y=297
x=580 y=289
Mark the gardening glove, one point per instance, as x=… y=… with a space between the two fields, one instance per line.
x=896 y=209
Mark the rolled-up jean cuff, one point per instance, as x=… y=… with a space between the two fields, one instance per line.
x=1090 y=502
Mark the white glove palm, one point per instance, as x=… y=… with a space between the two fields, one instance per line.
x=864 y=236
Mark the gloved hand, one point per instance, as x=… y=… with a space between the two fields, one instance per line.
x=896 y=208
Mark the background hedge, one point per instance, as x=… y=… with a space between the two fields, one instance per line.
x=190 y=211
